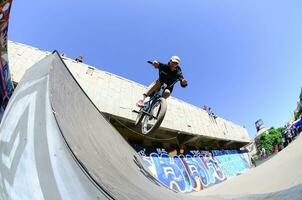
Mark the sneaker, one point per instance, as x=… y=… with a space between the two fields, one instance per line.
x=140 y=103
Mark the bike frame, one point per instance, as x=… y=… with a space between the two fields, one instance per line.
x=149 y=104
x=158 y=94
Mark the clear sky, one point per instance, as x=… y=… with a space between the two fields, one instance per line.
x=242 y=58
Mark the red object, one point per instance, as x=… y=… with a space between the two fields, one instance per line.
x=276 y=149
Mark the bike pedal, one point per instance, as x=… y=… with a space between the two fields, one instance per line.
x=135 y=111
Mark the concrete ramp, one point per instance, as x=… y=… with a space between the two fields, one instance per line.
x=35 y=162
x=55 y=144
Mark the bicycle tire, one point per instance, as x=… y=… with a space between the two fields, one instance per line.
x=139 y=117
x=160 y=117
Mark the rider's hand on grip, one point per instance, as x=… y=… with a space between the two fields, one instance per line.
x=154 y=63
x=183 y=83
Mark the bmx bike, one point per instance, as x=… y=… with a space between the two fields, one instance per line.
x=152 y=114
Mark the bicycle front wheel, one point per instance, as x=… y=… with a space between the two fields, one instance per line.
x=158 y=111
x=139 y=117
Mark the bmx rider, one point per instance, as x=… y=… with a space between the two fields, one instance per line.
x=172 y=73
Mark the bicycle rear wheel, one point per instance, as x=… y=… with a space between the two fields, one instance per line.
x=158 y=111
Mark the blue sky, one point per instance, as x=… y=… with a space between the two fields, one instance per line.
x=242 y=58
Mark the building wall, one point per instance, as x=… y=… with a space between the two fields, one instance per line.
x=117 y=96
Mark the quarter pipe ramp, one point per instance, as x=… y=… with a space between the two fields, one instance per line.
x=55 y=144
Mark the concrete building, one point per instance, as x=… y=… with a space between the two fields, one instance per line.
x=115 y=96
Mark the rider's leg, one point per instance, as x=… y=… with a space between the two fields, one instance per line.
x=167 y=93
x=152 y=88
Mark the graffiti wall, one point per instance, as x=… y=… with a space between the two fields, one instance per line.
x=194 y=170
x=6 y=85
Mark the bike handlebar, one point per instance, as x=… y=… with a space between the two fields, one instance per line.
x=162 y=72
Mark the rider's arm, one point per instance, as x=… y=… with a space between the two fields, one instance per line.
x=156 y=64
x=183 y=81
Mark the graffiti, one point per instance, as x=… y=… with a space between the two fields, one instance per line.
x=144 y=171
x=6 y=85
x=195 y=170
x=232 y=162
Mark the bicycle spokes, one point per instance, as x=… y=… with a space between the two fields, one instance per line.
x=150 y=120
x=155 y=110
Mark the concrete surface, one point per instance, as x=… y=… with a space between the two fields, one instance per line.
x=55 y=144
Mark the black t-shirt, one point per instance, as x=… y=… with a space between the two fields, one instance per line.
x=172 y=75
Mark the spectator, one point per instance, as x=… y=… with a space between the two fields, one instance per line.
x=79 y=59
x=299 y=129
x=289 y=136
x=63 y=54
x=253 y=161
x=263 y=152
x=276 y=149
x=209 y=111
x=206 y=108
x=181 y=149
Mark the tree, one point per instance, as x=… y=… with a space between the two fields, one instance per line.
x=271 y=138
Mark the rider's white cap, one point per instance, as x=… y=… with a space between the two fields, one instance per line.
x=175 y=59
